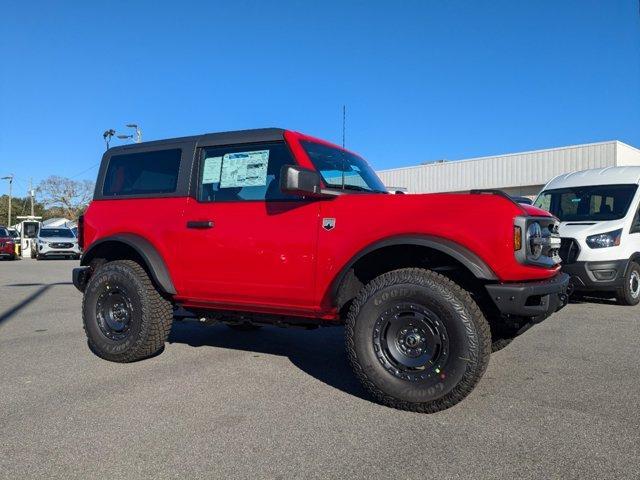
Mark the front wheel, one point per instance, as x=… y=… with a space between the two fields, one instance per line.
x=629 y=294
x=417 y=341
x=124 y=316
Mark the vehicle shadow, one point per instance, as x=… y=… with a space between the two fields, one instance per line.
x=579 y=300
x=319 y=353
x=14 y=309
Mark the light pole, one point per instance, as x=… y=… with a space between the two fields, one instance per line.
x=10 y=178
x=137 y=137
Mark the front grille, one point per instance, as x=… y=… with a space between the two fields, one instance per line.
x=1 y=244
x=569 y=250
x=61 y=245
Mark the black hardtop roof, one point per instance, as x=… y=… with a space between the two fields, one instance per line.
x=220 y=138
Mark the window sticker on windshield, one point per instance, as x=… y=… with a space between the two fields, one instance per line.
x=211 y=170
x=244 y=169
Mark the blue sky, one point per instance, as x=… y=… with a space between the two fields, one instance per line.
x=422 y=80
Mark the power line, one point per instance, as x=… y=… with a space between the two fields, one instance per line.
x=85 y=171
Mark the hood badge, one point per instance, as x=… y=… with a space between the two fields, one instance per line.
x=328 y=223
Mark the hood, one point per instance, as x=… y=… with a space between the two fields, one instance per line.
x=535 y=211
x=578 y=229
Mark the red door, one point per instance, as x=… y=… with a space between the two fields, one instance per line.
x=254 y=253
x=245 y=242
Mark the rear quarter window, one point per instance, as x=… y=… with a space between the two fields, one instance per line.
x=142 y=173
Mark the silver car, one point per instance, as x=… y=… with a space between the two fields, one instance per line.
x=55 y=242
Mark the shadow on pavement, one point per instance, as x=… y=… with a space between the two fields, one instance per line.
x=579 y=300
x=319 y=353
x=7 y=314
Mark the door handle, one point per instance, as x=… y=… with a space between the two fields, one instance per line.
x=201 y=224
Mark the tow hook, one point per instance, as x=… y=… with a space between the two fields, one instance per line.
x=564 y=300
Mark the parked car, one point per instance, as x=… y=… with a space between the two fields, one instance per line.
x=600 y=229
x=7 y=244
x=276 y=227
x=55 y=242
x=15 y=235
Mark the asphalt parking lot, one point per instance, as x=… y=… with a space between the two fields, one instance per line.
x=561 y=401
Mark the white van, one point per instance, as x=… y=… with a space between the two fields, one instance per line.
x=600 y=229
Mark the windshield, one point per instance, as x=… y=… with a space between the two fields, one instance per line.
x=14 y=233
x=56 y=232
x=4 y=232
x=588 y=203
x=342 y=169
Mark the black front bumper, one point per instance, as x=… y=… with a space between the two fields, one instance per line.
x=597 y=276
x=531 y=299
x=80 y=277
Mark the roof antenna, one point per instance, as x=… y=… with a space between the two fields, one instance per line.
x=344 y=122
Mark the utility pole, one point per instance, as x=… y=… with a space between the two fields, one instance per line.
x=10 y=178
x=31 y=194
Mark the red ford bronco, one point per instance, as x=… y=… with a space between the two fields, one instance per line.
x=271 y=226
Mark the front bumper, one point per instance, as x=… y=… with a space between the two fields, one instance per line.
x=597 y=276
x=7 y=251
x=531 y=299
x=46 y=250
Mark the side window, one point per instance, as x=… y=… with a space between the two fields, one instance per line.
x=243 y=173
x=544 y=201
x=142 y=173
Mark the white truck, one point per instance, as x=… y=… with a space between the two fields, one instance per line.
x=599 y=229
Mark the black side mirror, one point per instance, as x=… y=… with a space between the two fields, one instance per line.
x=296 y=180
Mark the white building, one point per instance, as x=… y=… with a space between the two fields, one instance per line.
x=522 y=173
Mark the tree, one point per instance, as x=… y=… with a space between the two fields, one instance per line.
x=64 y=195
x=19 y=206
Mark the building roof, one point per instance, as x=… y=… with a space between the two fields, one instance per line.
x=598 y=176
x=530 y=168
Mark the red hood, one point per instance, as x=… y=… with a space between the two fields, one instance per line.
x=535 y=211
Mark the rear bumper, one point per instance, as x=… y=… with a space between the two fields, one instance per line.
x=599 y=276
x=80 y=277
x=531 y=299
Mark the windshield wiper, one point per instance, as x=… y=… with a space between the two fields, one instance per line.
x=356 y=188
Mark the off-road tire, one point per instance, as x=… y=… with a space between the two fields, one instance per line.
x=625 y=295
x=467 y=329
x=151 y=314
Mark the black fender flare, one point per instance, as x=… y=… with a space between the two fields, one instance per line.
x=466 y=257
x=156 y=266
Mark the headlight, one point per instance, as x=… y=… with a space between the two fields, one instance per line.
x=604 y=240
x=534 y=240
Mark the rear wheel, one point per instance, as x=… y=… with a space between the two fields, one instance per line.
x=417 y=341
x=629 y=294
x=125 y=318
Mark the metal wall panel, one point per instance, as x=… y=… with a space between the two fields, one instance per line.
x=507 y=171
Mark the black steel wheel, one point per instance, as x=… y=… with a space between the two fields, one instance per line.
x=416 y=340
x=114 y=312
x=411 y=341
